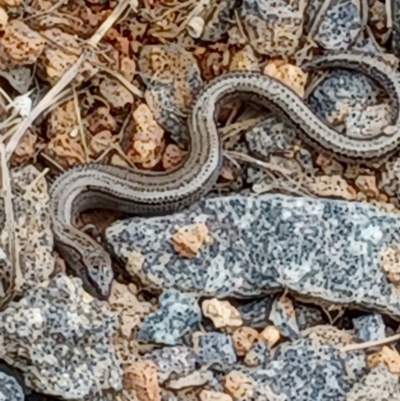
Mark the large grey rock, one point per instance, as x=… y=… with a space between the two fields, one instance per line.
x=329 y=251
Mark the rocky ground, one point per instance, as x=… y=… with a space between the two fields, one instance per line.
x=282 y=285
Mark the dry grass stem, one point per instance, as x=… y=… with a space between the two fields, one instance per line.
x=80 y=125
x=43 y=105
x=109 y=22
x=13 y=246
x=233 y=129
x=369 y=344
x=131 y=88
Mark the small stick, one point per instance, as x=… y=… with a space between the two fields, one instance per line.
x=370 y=344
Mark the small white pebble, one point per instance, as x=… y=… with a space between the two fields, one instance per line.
x=74 y=133
x=23 y=104
x=195 y=27
x=134 y=4
x=390 y=130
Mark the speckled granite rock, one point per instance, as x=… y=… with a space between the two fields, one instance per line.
x=173 y=362
x=9 y=389
x=378 y=385
x=178 y=314
x=325 y=250
x=164 y=95
x=369 y=327
x=269 y=136
x=255 y=314
x=32 y=230
x=215 y=350
x=283 y=316
x=343 y=87
x=259 y=355
x=340 y=25
x=288 y=376
x=308 y=316
x=59 y=337
x=302 y=370
x=272 y=27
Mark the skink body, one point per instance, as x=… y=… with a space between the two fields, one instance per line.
x=143 y=192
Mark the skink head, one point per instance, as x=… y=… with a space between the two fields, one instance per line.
x=99 y=272
x=90 y=262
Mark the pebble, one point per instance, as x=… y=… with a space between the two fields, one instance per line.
x=215 y=350
x=369 y=327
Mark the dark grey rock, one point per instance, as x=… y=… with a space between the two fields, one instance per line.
x=215 y=350
x=255 y=314
x=342 y=86
x=178 y=314
x=272 y=27
x=163 y=95
x=396 y=27
x=218 y=17
x=369 y=327
x=268 y=137
x=308 y=316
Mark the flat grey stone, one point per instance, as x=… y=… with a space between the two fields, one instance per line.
x=323 y=250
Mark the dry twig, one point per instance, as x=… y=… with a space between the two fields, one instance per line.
x=16 y=279
x=109 y=22
x=43 y=105
x=370 y=344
